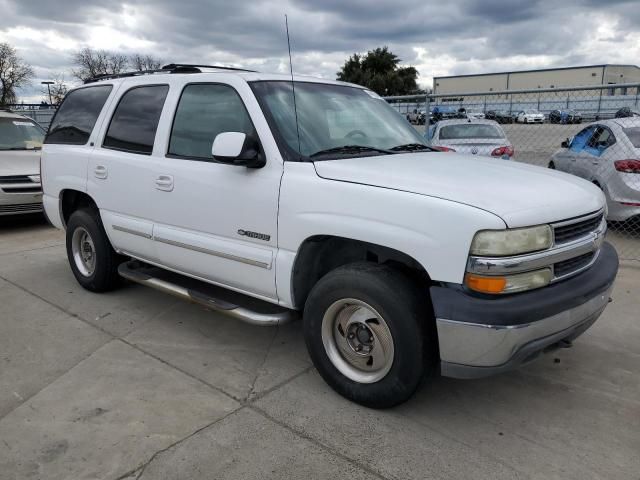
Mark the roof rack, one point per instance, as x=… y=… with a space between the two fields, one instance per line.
x=170 y=68
x=218 y=67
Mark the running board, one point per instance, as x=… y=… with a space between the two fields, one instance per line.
x=218 y=299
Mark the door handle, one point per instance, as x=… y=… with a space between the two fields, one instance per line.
x=101 y=172
x=164 y=183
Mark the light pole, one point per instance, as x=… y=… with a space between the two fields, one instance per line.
x=48 y=84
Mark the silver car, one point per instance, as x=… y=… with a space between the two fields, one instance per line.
x=20 y=144
x=477 y=137
x=607 y=153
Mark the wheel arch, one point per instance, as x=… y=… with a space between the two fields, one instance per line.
x=72 y=200
x=320 y=254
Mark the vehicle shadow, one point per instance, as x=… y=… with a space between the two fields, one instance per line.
x=22 y=222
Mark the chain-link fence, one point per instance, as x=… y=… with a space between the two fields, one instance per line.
x=590 y=132
x=40 y=113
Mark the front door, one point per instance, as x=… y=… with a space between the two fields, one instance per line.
x=216 y=221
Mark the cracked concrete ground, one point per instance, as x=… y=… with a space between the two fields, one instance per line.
x=135 y=384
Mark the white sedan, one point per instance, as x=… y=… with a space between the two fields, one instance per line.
x=530 y=116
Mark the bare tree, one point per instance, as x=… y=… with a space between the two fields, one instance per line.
x=57 y=90
x=91 y=63
x=141 y=62
x=14 y=74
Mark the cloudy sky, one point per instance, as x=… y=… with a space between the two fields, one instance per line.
x=437 y=37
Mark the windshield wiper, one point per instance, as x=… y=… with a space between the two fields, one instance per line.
x=413 y=147
x=350 y=149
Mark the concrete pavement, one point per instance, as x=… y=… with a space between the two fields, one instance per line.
x=136 y=384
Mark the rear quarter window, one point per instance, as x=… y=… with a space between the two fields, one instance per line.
x=76 y=117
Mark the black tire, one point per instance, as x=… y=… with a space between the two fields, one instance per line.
x=104 y=276
x=552 y=165
x=406 y=314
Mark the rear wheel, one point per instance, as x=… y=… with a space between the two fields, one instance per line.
x=368 y=333
x=93 y=260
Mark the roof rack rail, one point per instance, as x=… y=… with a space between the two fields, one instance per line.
x=170 y=68
x=173 y=66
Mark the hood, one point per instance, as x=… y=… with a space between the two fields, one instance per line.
x=520 y=194
x=19 y=162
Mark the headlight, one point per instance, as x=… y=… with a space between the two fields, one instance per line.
x=518 y=282
x=516 y=241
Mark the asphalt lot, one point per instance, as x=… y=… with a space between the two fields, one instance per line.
x=136 y=384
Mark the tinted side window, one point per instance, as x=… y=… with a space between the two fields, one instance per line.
x=203 y=112
x=135 y=120
x=76 y=117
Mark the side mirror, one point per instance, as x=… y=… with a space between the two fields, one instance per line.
x=236 y=148
x=566 y=143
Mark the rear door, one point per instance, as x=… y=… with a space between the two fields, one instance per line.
x=589 y=164
x=568 y=159
x=120 y=173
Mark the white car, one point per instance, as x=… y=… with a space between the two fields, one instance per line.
x=20 y=145
x=476 y=137
x=209 y=184
x=529 y=116
x=475 y=114
x=607 y=153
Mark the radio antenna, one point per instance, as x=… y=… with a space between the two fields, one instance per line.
x=293 y=85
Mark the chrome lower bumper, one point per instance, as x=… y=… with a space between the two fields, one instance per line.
x=469 y=350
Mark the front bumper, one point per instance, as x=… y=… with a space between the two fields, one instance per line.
x=481 y=335
x=20 y=203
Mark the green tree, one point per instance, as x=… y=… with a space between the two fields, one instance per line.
x=14 y=74
x=379 y=70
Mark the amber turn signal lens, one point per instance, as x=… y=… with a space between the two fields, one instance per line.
x=485 y=284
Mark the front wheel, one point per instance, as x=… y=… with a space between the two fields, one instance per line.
x=369 y=334
x=93 y=260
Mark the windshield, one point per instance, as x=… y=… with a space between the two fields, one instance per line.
x=20 y=134
x=469 y=130
x=633 y=134
x=331 y=117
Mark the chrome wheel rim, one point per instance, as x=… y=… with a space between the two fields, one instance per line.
x=84 y=251
x=357 y=340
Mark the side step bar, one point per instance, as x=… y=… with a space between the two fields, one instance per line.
x=209 y=296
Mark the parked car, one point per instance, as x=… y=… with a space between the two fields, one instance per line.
x=530 y=116
x=564 y=116
x=20 y=145
x=417 y=117
x=402 y=261
x=444 y=112
x=607 y=153
x=500 y=116
x=475 y=114
x=625 y=112
x=476 y=137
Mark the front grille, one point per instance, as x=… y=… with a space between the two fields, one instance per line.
x=567 y=267
x=23 y=207
x=15 y=179
x=580 y=228
x=19 y=184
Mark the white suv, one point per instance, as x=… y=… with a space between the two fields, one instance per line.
x=20 y=145
x=214 y=185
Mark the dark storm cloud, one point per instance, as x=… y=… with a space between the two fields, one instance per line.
x=472 y=34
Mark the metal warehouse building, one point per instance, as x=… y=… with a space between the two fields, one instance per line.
x=543 y=78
